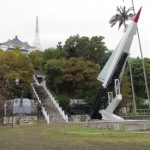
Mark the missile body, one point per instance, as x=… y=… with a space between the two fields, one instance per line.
x=113 y=68
x=121 y=51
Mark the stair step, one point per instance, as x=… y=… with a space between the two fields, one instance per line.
x=48 y=104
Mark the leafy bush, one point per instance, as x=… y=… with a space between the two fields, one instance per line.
x=90 y=96
x=80 y=94
x=63 y=100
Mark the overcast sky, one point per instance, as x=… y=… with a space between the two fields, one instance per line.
x=59 y=19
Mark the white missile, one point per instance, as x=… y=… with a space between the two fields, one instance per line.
x=121 y=52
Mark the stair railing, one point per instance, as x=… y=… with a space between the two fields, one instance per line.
x=44 y=112
x=65 y=116
x=43 y=83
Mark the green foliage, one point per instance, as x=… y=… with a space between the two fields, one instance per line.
x=93 y=49
x=80 y=94
x=139 y=102
x=90 y=96
x=71 y=69
x=138 y=76
x=138 y=81
x=68 y=75
x=147 y=69
x=14 y=65
x=144 y=106
x=76 y=46
x=79 y=74
x=97 y=50
x=36 y=58
x=126 y=90
x=63 y=100
x=52 y=53
x=53 y=72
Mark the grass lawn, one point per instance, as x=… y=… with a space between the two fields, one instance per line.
x=43 y=137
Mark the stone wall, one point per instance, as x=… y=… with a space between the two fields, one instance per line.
x=129 y=125
x=20 y=120
x=79 y=118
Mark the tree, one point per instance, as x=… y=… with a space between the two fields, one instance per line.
x=139 y=77
x=66 y=76
x=59 y=46
x=53 y=72
x=63 y=101
x=97 y=50
x=18 y=67
x=52 y=53
x=123 y=15
x=79 y=74
x=36 y=58
x=74 y=47
x=126 y=90
x=92 y=49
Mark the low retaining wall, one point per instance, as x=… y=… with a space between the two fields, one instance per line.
x=129 y=125
x=21 y=120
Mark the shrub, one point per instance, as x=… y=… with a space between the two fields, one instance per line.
x=63 y=100
x=79 y=94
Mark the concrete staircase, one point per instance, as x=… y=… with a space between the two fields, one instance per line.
x=54 y=114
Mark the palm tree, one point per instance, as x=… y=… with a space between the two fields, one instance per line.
x=123 y=16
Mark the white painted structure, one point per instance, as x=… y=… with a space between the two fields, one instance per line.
x=107 y=114
x=55 y=102
x=65 y=116
x=107 y=72
x=44 y=112
x=123 y=47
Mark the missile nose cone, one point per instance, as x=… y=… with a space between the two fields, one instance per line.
x=136 y=17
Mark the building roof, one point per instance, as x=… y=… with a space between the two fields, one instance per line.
x=17 y=43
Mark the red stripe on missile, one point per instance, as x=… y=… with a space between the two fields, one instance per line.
x=136 y=17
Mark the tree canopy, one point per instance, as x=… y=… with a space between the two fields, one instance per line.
x=93 y=48
x=14 y=66
x=70 y=70
x=138 y=77
x=68 y=75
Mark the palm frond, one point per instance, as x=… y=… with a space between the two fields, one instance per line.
x=119 y=10
x=129 y=9
x=114 y=20
x=112 y=24
x=120 y=24
x=122 y=16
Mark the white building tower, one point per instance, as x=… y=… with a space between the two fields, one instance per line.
x=37 y=44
